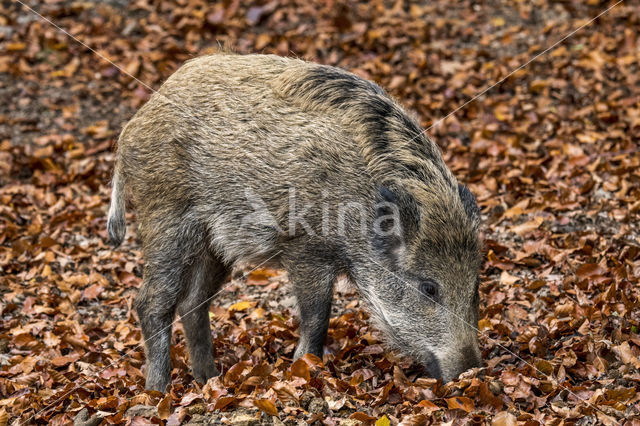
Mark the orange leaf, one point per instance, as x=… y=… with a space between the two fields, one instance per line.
x=460 y=403
x=241 y=306
x=164 y=407
x=223 y=401
x=262 y=40
x=300 y=369
x=266 y=406
x=14 y=47
x=312 y=360
x=430 y=406
x=362 y=417
x=485 y=324
x=261 y=276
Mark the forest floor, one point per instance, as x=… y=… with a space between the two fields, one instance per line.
x=551 y=152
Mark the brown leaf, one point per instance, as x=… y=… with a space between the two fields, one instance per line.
x=286 y=393
x=164 y=407
x=488 y=398
x=460 y=403
x=587 y=270
x=299 y=368
x=508 y=279
x=504 y=418
x=133 y=67
x=430 y=406
x=78 y=341
x=528 y=227
x=188 y=398
x=266 y=406
x=223 y=401
x=232 y=376
x=4 y=417
x=61 y=361
x=625 y=353
x=92 y=291
x=312 y=360
x=362 y=417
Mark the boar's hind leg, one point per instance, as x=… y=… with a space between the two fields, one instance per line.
x=313 y=287
x=194 y=313
x=155 y=304
x=170 y=259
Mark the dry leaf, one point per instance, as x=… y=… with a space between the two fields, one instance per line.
x=625 y=353
x=383 y=421
x=164 y=407
x=299 y=368
x=504 y=418
x=460 y=403
x=528 y=226
x=241 y=306
x=266 y=406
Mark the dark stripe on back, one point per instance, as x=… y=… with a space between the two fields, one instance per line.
x=325 y=86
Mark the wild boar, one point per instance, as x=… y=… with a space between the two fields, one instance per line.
x=240 y=159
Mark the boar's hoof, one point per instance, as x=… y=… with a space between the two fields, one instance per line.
x=300 y=351
x=203 y=375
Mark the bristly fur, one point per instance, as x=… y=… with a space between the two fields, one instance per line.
x=227 y=134
x=392 y=141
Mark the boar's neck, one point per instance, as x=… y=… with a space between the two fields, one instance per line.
x=391 y=141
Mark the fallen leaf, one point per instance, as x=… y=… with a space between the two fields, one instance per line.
x=460 y=403
x=625 y=354
x=504 y=418
x=383 y=421
x=241 y=306
x=299 y=368
x=266 y=406
x=164 y=407
x=528 y=226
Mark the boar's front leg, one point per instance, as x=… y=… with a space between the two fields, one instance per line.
x=313 y=288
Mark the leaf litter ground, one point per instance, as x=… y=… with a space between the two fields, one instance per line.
x=551 y=153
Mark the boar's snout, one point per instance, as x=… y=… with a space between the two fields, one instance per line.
x=449 y=366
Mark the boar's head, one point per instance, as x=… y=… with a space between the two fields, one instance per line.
x=423 y=284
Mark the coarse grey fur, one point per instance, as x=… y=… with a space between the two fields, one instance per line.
x=220 y=163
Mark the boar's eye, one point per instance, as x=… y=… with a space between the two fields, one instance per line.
x=430 y=289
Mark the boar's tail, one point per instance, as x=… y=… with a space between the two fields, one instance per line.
x=115 y=222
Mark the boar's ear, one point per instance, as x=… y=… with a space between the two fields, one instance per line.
x=469 y=203
x=397 y=218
